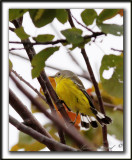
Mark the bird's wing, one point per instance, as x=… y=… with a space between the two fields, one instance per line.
x=79 y=83
x=81 y=87
x=88 y=97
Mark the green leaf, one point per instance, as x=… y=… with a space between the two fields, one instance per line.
x=93 y=135
x=42 y=17
x=80 y=45
x=114 y=29
x=44 y=38
x=21 y=33
x=116 y=128
x=73 y=35
x=16 y=13
x=113 y=85
x=29 y=143
x=61 y=15
x=107 y=14
x=34 y=109
x=10 y=65
x=88 y=16
x=39 y=59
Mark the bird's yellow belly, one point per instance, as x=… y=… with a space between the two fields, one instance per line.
x=73 y=96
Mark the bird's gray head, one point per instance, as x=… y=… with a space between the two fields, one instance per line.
x=64 y=74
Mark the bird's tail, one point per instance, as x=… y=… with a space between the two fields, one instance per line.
x=86 y=120
x=101 y=118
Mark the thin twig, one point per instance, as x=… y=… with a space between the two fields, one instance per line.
x=70 y=130
x=16 y=49
x=104 y=129
x=114 y=107
x=70 y=18
x=94 y=35
x=117 y=50
x=82 y=24
x=27 y=83
x=50 y=143
x=11 y=29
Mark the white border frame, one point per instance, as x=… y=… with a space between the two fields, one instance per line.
x=5 y=7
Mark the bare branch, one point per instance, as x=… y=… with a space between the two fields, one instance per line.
x=50 y=143
x=26 y=115
x=104 y=128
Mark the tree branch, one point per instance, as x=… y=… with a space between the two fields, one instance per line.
x=70 y=130
x=31 y=52
x=94 y=35
x=104 y=129
x=16 y=49
x=50 y=143
x=26 y=115
x=116 y=50
x=62 y=139
x=11 y=29
x=82 y=24
x=27 y=83
x=114 y=107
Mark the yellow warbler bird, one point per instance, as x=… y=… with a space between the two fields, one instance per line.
x=71 y=91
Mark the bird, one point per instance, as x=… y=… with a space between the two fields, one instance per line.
x=73 y=94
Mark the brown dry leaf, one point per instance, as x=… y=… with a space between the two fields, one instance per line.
x=121 y=12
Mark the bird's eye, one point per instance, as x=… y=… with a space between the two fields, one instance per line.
x=58 y=74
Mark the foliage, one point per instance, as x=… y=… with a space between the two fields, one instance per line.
x=113 y=85
x=111 y=88
x=16 y=13
x=39 y=59
x=10 y=65
x=73 y=35
x=21 y=33
x=88 y=16
x=44 y=38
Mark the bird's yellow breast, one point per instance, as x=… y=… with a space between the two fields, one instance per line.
x=70 y=93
